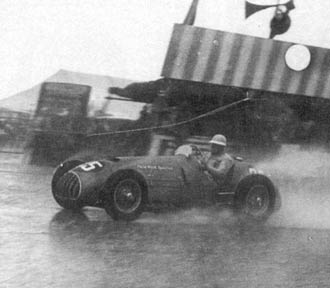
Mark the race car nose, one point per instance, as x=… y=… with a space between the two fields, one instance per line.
x=68 y=186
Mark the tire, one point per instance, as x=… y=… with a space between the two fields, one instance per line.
x=125 y=198
x=60 y=171
x=256 y=201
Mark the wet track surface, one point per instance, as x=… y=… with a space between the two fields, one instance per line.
x=42 y=245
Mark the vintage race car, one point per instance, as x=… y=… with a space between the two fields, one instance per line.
x=127 y=186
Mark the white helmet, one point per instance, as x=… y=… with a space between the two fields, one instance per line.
x=219 y=140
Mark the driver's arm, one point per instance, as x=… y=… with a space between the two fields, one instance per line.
x=219 y=168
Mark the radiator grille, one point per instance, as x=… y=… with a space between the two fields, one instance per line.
x=68 y=186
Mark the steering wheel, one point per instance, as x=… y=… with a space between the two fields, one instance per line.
x=198 y=154
x=196 y=150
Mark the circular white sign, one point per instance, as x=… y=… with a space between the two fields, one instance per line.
x=298 y=57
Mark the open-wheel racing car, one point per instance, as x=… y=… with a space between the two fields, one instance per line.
x=127 y=186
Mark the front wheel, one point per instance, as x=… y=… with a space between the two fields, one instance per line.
x=125 y=200
x=256 y=201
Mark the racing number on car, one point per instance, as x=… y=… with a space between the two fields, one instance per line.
x=90 y=166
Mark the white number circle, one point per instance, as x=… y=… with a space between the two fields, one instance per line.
x=298 y=57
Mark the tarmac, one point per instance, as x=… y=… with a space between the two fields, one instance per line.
x=42 y=245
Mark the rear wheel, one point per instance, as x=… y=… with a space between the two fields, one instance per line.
x=125 y=199
x=256 y=201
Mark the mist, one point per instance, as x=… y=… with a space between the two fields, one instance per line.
x=303 y=179
x=302 y=176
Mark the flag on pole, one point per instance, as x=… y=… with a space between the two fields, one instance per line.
x=190 y=18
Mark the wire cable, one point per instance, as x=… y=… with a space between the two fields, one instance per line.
x=219 y=109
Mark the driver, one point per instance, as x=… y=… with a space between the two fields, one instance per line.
x=219 y=162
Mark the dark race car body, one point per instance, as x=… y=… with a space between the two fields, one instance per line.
x=127 y=186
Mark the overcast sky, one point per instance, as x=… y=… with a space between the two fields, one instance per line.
x=124 y=38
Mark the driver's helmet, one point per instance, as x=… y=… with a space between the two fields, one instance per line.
x=219 y=140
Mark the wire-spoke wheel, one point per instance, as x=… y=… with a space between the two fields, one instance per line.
x=257 y=201
x=127 y=196
x=125 y=200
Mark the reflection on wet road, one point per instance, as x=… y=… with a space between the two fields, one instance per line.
x=44 y=246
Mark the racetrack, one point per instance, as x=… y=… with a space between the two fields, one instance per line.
x=44 y=246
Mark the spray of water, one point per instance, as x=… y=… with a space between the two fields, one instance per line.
x=303 y=178
x=194 y=216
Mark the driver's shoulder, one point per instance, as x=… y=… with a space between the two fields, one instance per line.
x=225 y=158
x=228 y=156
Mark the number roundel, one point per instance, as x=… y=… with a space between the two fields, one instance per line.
x=91 y=166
